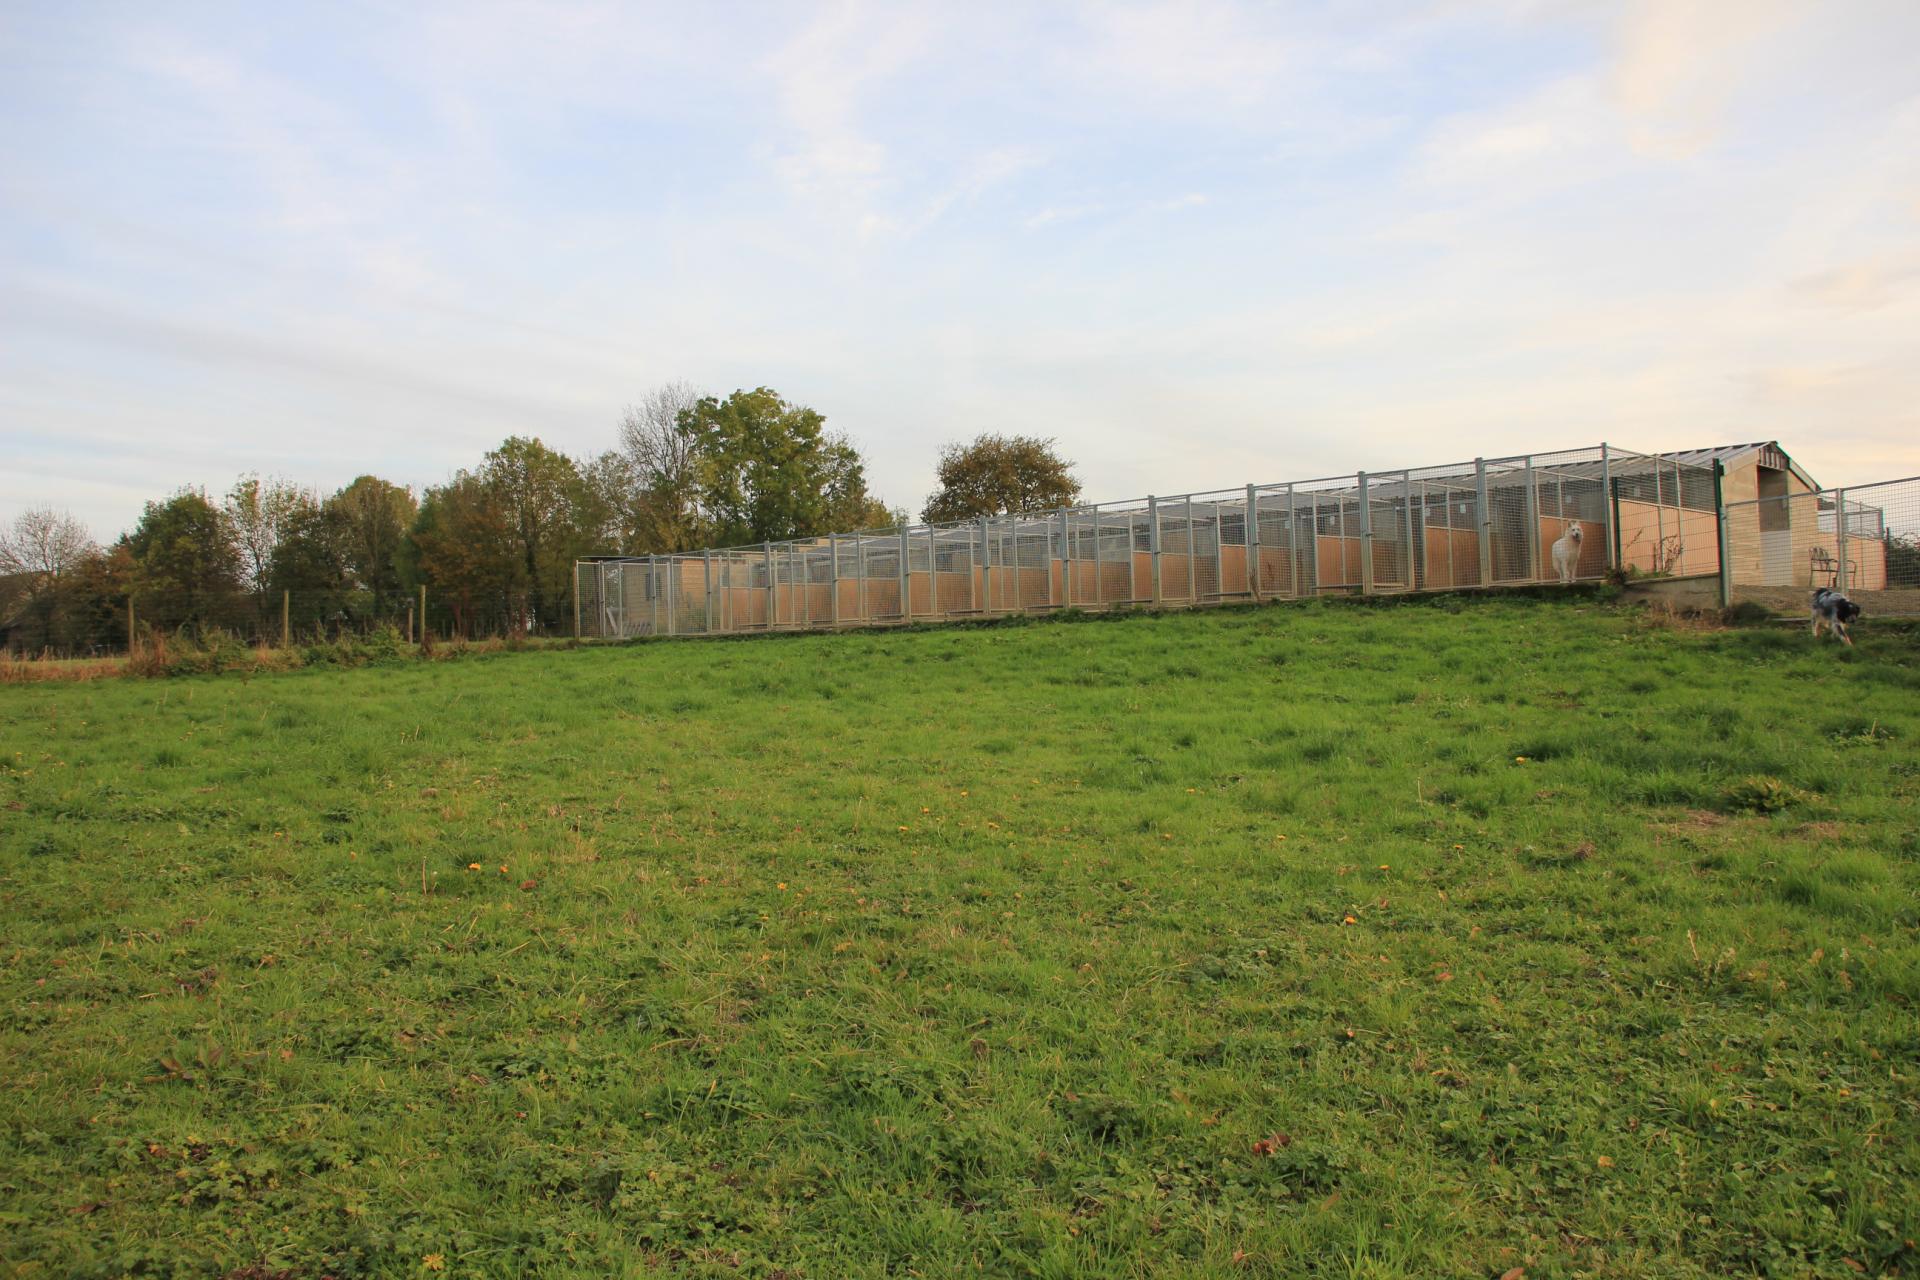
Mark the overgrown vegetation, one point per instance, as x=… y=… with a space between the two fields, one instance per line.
x=1429 y=940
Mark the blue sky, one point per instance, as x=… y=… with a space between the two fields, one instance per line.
x=1198 y=243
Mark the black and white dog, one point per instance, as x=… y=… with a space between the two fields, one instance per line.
x=1834 y=611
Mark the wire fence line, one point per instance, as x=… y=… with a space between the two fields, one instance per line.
x=1484 y=523
x=76 y=623
x=1862 y=540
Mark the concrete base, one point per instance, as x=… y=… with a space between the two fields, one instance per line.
x=1697 y=591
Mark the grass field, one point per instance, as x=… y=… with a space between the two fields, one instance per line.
x=1433 y=939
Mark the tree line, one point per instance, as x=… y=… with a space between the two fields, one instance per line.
x=495 y=545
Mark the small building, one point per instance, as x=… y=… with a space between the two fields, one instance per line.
x=1783 y=530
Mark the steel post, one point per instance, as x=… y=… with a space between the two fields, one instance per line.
x=1406 y=511
x=860 y=575
x=933 y=577
x=1720 y=532
x=1366 y=537
x=1483 y=519
x=906 y=602
x=1533 y=524
x=1250 y=539
x=1293 y=548
x=983 y=602
x=833 y=578
x=1839 y=535
x=1313 y=543
x=1153 y=547
x=1610 y=535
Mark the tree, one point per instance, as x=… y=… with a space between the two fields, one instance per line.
x=259 y=511
x=187 y=568
x=43 y=549
x=97 y=613
x=1001 y=475
x=766 y=470
x=463 y=540
x=309 y=563
x=660 y=507
x=612 y=520
x=541 y=495
x=373 y=518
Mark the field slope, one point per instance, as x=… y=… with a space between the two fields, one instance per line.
x=1417 y=940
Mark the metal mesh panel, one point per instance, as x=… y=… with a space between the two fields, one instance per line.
x=1863 y=541
x=1385 y=541
x=1666 y=518
x=1284 y=563
x=1512 y=548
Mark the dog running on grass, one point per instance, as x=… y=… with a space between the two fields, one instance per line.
x=1566 y=553
x=1834 y=611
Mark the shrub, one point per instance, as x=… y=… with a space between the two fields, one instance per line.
x=1761 y=793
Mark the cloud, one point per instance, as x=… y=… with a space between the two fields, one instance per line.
x=1199 y=52
x=1053 y=214
x=820 y=77
x=1865 y=285
x=1559 y=133
x=1680 y=63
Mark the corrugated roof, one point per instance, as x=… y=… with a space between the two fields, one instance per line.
x=1771 y=455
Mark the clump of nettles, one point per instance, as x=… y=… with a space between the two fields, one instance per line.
x=1763 y=794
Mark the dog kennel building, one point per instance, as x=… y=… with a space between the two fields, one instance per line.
x=1484 y=523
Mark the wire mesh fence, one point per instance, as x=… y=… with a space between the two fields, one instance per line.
x=72 y=622
x=1863 y=540
x=1488 y=522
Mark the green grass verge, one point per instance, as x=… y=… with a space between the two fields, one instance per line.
x=1427 y=940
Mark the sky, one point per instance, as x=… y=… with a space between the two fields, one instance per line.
x=1198 y=244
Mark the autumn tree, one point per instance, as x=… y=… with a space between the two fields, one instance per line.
x=1000 y=475
x=372 y=517
x=767 y=470
x=463 y=540
x=42 y=550
x=539 y=492
x=187 y=567
x=309 y=563
x=655 y=494
x=258 y=511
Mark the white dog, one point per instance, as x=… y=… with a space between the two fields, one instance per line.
x=1566 y=553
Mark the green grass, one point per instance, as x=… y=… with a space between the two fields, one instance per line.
x=1423 y=940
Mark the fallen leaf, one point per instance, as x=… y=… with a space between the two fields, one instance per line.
x=1517 y=1273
